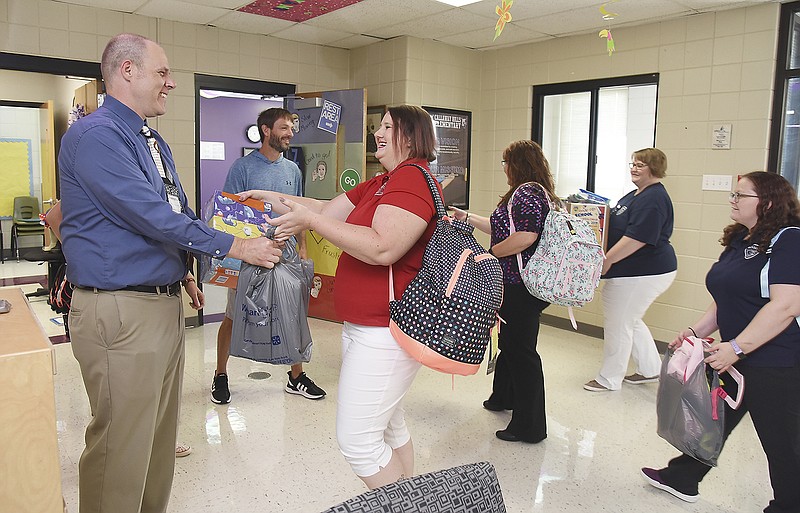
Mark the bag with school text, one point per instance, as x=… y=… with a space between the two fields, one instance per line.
x=447 y=312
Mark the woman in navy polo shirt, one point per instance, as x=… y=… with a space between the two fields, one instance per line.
x=639 y=266
x=756 y=304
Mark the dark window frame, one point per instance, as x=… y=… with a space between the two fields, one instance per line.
x=783 y=73
x=586 y=86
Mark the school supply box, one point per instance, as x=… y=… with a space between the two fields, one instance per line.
x=243 y=219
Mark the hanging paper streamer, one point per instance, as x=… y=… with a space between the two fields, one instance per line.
x=505 y=17
x=607 y=15
x=609 y=40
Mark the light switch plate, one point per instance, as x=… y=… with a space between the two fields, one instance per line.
x=717 y=182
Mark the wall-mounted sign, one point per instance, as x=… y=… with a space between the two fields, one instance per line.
x=721 y=137
x=451 y=168
x=329 y=117
x=349 y=179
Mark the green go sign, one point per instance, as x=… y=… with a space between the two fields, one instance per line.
x=349 y=179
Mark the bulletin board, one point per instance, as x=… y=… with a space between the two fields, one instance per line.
x=16 y=173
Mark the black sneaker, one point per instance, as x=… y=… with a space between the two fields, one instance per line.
x=653 y=478
x=220 y=393
x=304 y=386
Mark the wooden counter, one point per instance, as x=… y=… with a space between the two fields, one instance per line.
x=30 y=471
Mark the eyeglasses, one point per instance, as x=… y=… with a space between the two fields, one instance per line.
x=734 y=196
x=502 y=162
x=637 y=165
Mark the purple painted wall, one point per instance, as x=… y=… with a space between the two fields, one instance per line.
x=225 y=120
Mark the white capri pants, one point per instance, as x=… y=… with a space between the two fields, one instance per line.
x=625 y=334
x=376 y=374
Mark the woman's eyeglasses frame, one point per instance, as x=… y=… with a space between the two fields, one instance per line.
x=735 y=196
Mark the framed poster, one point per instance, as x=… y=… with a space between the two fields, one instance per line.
x=374 y=117
x=453 y=130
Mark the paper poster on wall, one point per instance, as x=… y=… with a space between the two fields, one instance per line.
x=212 y=150
x=326 y=258
x=451 y=168
x=17 y=173
x=320 y=165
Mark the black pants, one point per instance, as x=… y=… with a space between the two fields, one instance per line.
x=518 y=376
x=772 y=396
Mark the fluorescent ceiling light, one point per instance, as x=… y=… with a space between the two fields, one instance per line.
x=458 y=3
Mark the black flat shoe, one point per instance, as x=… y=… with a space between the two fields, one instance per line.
x=493 y=406
x=507 y=436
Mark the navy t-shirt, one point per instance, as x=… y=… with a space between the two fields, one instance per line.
x=646 y=217
x=734 y=283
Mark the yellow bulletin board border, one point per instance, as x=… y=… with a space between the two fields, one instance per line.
x=16 y=173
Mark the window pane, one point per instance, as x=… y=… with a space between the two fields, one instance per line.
x=565 y=139
x=626 y=123
x=790 y=154
x=794 y=42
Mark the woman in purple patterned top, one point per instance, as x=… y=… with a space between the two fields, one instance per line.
x=518 y=378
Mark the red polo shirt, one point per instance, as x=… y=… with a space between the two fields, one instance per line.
x=361 y=294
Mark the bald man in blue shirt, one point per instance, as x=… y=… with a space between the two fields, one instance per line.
x=127 y=234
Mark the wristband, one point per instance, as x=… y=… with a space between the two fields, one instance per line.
x=693 y=332
x=737 y=349
x=466 y=219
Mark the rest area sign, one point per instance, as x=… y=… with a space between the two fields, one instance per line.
x=329 y=117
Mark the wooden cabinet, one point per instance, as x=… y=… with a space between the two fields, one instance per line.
x=30 y=472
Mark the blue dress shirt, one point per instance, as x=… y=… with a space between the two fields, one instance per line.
x=118 y=229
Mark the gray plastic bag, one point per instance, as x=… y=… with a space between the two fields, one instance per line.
x=690 y=404
x=270 y=322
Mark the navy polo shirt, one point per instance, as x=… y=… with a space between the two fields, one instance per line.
x=734 y=283
x=646 y=217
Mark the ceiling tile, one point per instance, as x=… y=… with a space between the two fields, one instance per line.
x=308 y=34
x=112 y=5
x=356 y=41
x=250 y=23
x=526 y=9
x=224 y=4
x=436 y=26
x=511 y=35
x=179 y=10
x=369 y=15
x=589 y=18
x=297 y=11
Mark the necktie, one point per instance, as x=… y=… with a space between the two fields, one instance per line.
x=173 y=196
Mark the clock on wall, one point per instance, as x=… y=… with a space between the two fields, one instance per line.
x=253 y=135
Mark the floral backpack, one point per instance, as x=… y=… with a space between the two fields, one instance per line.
x=566 y=265
x=445 y=317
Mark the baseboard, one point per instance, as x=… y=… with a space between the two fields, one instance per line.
x=585 y=329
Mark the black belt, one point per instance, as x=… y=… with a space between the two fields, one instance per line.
x=169 y=290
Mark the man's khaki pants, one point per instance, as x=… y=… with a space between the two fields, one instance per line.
x=130 y=346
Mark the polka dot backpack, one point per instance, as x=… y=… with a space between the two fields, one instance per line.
x=445 y=317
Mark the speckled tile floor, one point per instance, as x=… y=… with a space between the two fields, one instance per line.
x=268 y=451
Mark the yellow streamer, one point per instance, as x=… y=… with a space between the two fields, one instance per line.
x=505 y=17
x=607 y=15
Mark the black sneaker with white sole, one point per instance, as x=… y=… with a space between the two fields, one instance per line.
x=220 y=393
x=653 y=478
x=304 y=386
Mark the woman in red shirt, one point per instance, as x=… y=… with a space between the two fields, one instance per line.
x=386 y=221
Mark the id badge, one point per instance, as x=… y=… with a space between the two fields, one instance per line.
x=172 y=197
